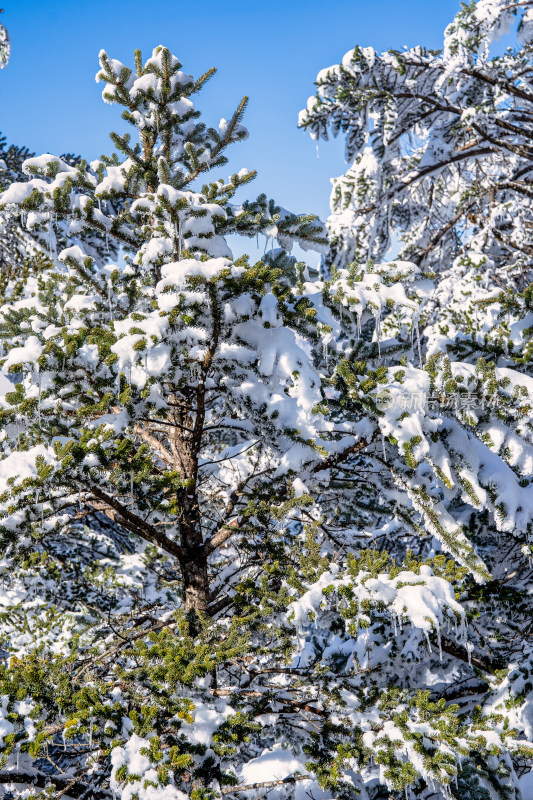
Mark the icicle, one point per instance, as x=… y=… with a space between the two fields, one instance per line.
x=419 y=347
x=469 y=648
x=50 y=235
x=107 y=242
x=429 y=643
x=383 y=447
x=463 y=629
x=326 y=353
x=439 y=640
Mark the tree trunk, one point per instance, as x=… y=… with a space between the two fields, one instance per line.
x=195 y=582
x=194 y=561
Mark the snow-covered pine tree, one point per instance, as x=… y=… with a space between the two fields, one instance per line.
x=452 y=195
x=202 y=460
x=440 y=145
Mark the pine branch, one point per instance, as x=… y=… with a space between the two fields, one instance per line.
x=135 y=524
x=75 y=787
x=263 y=785
x=221 y=536
x=154 y=443
x=204 y=78
x=338 y=458
x=423 y=173
x=480 y=660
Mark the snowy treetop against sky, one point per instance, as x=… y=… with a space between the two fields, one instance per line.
x=439 y=144
x=290 y=172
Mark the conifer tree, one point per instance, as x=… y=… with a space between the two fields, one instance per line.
x=202 y=459
x=439 y=144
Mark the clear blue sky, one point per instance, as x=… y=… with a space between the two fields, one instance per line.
x=271 y=52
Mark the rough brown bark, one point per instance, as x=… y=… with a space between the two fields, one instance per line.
x=195 y=585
